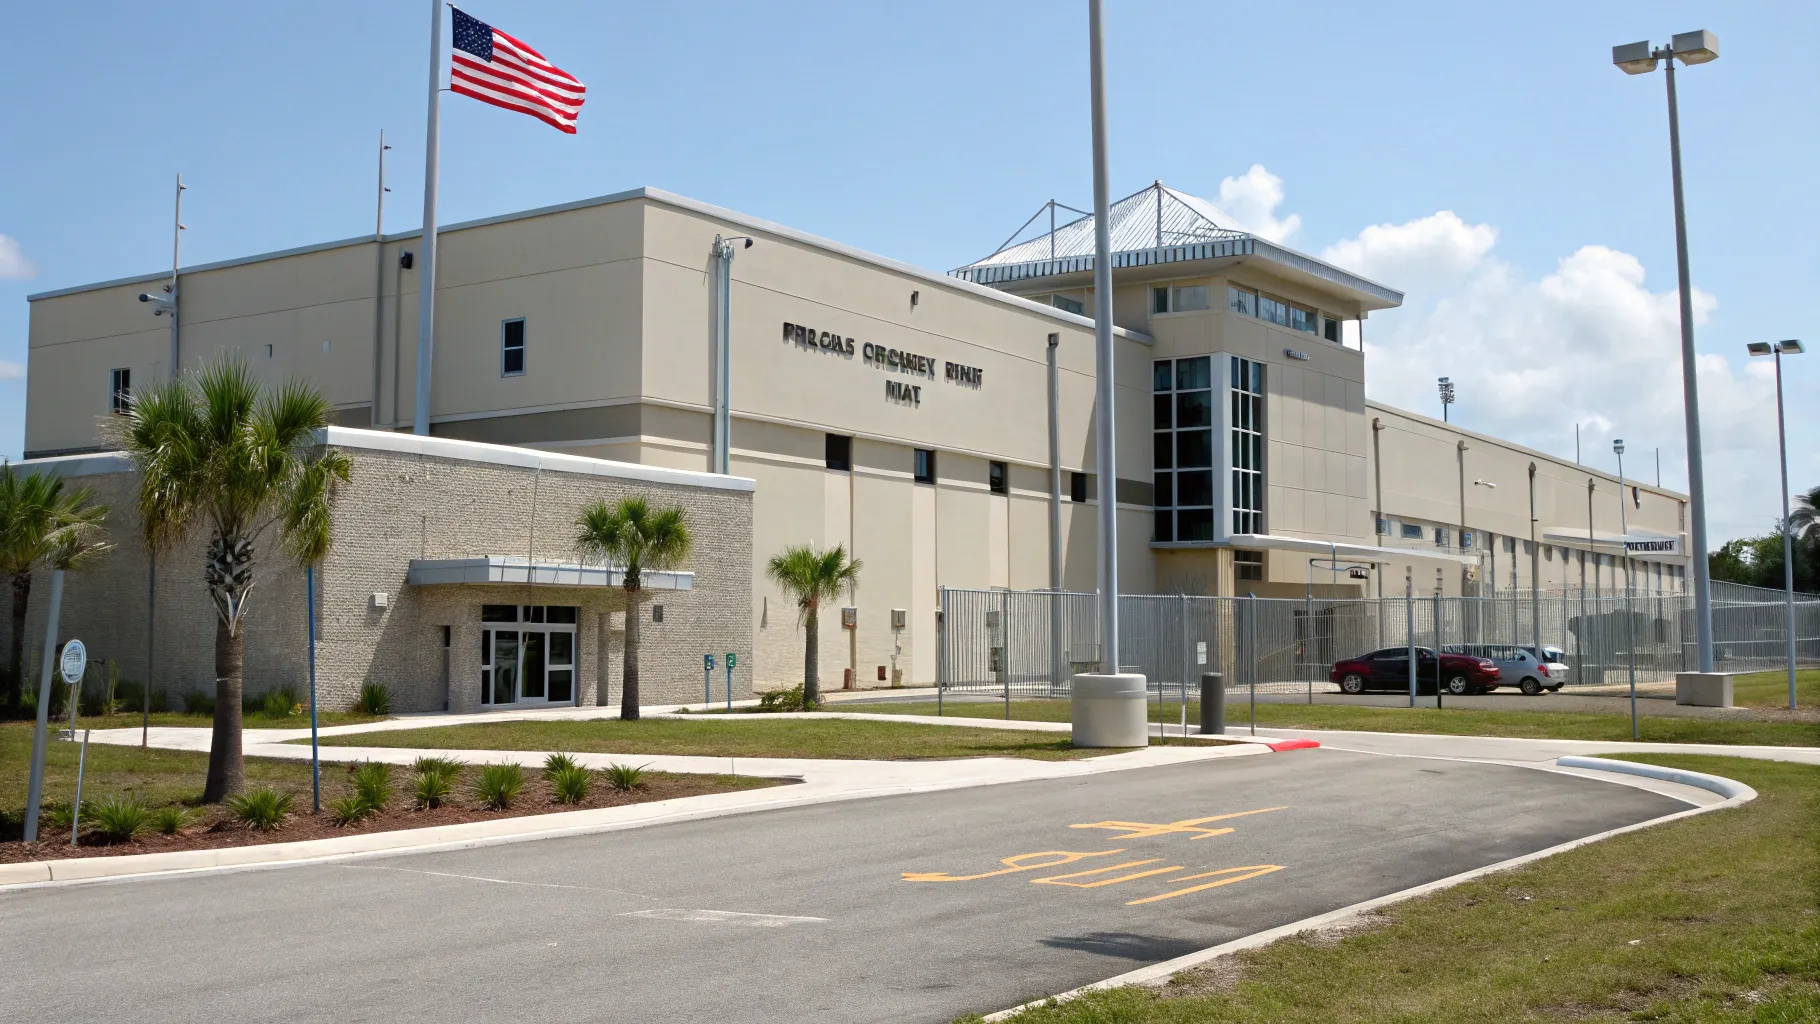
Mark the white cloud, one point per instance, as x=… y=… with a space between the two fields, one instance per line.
x=1252 y=199
x=11 y=371
x=13 y=264
x=1588 y=343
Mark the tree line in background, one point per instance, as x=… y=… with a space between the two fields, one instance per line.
x=1758 y=561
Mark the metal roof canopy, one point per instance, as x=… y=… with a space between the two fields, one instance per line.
x=1154 y=226
x=495 y=569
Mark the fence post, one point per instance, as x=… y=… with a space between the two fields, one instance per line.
x=1251 y=600
x=1004 y=628
x=941 y=646
x=1409 y=619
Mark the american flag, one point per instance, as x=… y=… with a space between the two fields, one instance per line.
x=495 y=68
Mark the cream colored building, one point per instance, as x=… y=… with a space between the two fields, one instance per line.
x=901 y=412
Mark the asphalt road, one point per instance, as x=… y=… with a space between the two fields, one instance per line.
x=797 y=914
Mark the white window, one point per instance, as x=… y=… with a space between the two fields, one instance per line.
x=1242 y=300
x=120 y=391
x=1187 y=298
x=1182 y=454
x=1303 y=319
x=1412 y=531
x=512 y=348
x=1068 y=305
x=1441 y=536
x=1247 y=401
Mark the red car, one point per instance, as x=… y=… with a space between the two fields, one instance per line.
x=1388 y=669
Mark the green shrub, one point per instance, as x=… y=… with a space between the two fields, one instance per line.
x=349 y=809
x=196 y=702
x=624 y=777
x=431 y=788
x=374 y=699
x=119 y=818
x=785 y=700
x=56 y=814
x=279 y=702
x=130 y=696
x=170 y=820
x=556 y=763
x=28 y=697
x=499 y=785
x=264 y=808
x=447 y=767
x=373 y=784
x=571 y=784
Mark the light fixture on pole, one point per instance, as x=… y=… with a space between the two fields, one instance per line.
x=1445 y=384
x=721 y=252
x=161 y=304
x=1778 y=349
x=1105 y=451
x=1630 y=622
x=1638 y=59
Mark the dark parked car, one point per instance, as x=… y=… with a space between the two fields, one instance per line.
x=1388 y=669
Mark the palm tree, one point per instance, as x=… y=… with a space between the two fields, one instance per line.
x=40 y=525
x=1806 y=513
x=812 y=577
x=635 y=537
x=217 y=449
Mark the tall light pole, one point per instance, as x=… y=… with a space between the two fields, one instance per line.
x=1445 y=386
x=1779 y=349
x=1105 y=455
x=1639 y=59
x=161 y=305
x=1630 y=621
x=721 y=252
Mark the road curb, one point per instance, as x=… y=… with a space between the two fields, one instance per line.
x=1736 y=793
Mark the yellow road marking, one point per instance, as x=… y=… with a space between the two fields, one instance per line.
x=1255 y=869
x=1012 y=866
x=1147 y=830
x=1059 y=879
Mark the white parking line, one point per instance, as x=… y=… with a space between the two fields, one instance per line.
x=724 y=917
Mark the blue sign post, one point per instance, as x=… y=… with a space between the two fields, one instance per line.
x=707 y=679
x=731 y=661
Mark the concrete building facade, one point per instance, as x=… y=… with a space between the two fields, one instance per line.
x=900 y=412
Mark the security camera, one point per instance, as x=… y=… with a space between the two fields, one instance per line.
x=748 y=243
x=147 y=297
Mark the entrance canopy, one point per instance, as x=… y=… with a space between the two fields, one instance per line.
x=496 y=569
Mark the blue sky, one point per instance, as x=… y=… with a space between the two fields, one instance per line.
x=1518 y=183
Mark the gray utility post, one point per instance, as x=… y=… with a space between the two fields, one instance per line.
x=1058 y=663
x=1779 y=349
x=35 y=789
x=1630 y=620
x=1638 y=59
x=379 y=280
x=426 y=283
x=1105 y=452
x=1535 y=571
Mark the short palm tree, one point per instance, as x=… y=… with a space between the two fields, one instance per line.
x=637 y=538
x=1806 y=513
x=40 y=526
x=812 y=577
x=217 y=449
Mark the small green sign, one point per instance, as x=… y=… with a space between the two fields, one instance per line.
x=732 y=659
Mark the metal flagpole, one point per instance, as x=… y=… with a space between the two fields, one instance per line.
x=379 y=279
x=1104 y=455
x=426 y=284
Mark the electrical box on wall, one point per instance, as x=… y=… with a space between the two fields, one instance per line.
x=849 y=618
x=379 y=599
x=899 y=618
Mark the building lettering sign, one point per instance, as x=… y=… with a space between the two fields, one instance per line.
x=1667 y=545
x=890 y=360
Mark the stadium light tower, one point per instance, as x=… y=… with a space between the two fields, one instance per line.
x=1640 y=59
x=1446 y=388
x=1779 y=349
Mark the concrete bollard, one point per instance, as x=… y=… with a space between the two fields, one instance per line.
x=1213 y=704
x=1110 y=710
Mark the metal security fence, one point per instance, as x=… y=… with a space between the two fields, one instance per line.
x=1030 y=643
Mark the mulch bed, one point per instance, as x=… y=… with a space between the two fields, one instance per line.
x=213 y=829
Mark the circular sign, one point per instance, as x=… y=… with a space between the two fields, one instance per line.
x=74 y=661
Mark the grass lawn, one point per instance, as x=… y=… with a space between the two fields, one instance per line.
x=1714 y=918
x=1770 y=689
x=1447 y=721
x=248 y=720
x=157 y=777
x=755 y=737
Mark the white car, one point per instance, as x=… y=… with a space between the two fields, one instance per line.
x=1519 y=667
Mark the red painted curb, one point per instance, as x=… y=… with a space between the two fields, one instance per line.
x=1297 y=744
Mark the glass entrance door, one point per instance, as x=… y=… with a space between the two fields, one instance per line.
x=527 y=655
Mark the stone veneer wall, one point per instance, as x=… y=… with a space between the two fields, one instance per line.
x=414 y=498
